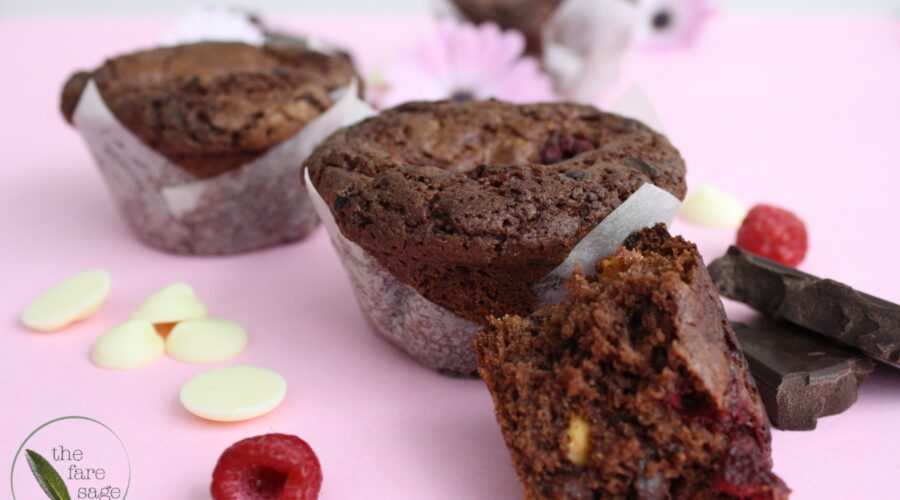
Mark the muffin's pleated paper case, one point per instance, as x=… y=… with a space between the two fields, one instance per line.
x=261 y=204
x=438 y=338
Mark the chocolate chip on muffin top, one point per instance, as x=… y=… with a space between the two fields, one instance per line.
x=472 y=203
x=213 y=106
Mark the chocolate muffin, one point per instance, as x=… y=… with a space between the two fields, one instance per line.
x=208 y=109
x=472 y=204
x=525 y=16
x=211 y=107
x=633 y=388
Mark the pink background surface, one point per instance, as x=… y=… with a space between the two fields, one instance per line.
x=802 y=112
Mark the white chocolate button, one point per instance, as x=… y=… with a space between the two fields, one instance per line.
x=172 y=304
x=78 y=297
x=132 y=344
x=233 y=393
x=578 y=441
x=208 y=340
x=710 y=206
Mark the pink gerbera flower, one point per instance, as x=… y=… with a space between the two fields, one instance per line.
x=670 y=23
x=463 y=61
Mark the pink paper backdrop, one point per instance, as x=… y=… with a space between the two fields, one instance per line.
x=802 y=112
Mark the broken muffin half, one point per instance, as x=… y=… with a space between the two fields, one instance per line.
x=634 y=387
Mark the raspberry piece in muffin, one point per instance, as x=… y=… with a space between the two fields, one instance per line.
x=634 y=388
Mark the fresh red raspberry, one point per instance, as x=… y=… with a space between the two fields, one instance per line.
x=272 y=466
x=775 y=234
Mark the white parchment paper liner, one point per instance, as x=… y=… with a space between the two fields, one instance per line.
x=203 y=23
x=432 y=335
x=258 y=205
x=441 y=340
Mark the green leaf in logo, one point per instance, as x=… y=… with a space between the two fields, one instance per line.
x=46 y=476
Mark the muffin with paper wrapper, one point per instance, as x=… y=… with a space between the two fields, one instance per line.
x=200 y=144
x=447 y=213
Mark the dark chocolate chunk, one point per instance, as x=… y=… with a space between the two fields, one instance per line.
x=644 y=166
x=822 y=305
x=800 y=375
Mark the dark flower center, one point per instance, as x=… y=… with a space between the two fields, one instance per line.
x=662 y=20
x=462 y=96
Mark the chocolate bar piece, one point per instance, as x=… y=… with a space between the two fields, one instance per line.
x=822 y=305
x=801 y=376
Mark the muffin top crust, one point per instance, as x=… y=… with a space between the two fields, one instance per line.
x=213 y=106
x=471 y=203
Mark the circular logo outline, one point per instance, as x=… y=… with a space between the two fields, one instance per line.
x=12 y=472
